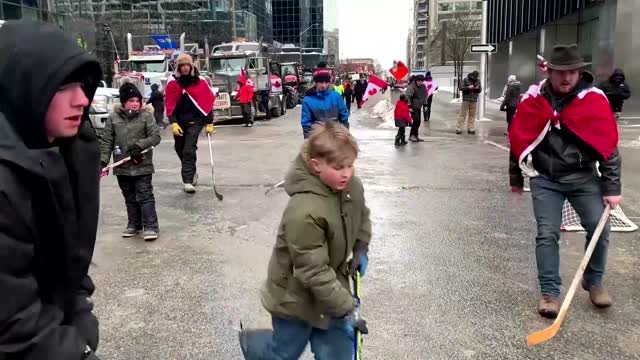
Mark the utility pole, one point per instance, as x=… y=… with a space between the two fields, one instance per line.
x=483 y=61
x=233 y=19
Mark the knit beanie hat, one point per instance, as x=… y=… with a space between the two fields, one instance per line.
x=322 y=73
x=128 y=91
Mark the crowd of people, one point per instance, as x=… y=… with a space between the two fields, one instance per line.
x=50 y=160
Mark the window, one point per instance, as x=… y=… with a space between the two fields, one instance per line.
x=462 y=6
x=147 y=66
x=11 y=11
x=477 y=5
x=232 y=64
x=444 y=7
x=256 y=63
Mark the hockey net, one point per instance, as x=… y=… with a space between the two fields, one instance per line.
x=618 y=220
x=571 y=221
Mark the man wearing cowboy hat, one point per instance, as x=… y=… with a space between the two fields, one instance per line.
x=563 y=133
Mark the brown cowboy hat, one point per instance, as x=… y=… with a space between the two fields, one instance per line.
x=566 y=57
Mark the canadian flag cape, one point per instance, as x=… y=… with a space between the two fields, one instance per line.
x=375 y=85
x=199 y=92
x=589 y=116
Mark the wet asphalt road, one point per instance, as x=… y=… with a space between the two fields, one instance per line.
x=452 y=270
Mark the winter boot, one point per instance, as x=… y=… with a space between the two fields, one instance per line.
x=548 y=306
x=398 y=141
x=413 y=138
x=598 y=295
x=458 y=132
x=130 y=232
x=189 y=188
x=150 y=235
x=471 y=132
x=403 y=141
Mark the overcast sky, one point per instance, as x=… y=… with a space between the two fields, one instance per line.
x=374 y=28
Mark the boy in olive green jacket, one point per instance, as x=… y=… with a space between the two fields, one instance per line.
x=325 y=223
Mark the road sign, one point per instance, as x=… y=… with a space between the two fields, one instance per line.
x=484 y=48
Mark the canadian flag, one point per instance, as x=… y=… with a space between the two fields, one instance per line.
x=375 y=85
x=399 y=70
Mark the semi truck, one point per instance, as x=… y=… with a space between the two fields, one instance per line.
x=226 y=62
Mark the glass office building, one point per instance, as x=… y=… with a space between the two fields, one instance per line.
x=308 y=24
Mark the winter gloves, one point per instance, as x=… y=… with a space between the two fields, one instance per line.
x=136 y=154
x=209 y=129
x=352 y=322
x=177 y=130
x=360 y=259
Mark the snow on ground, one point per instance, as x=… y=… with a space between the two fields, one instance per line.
x=384 y=110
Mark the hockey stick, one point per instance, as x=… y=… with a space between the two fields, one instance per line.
x=545 y=334
x=357 y=343
x=273 y=187
x=105 y=170
x=213 y=174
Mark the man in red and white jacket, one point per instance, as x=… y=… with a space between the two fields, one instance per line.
x=563 y=132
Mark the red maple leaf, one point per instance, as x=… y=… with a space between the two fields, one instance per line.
x=277 y=84
x=373 y=91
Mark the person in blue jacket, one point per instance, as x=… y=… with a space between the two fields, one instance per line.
x=321 y=103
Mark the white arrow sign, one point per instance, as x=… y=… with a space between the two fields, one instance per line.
x=483 y=48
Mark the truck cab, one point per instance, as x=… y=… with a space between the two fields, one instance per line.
x=226 y=62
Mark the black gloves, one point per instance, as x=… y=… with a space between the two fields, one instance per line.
x=136 y=154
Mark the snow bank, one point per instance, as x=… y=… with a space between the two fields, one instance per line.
x=384 y=110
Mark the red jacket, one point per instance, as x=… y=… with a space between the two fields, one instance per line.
x=245 y=93
x=402 y=111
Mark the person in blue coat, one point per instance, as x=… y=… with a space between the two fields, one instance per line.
x=321 y=103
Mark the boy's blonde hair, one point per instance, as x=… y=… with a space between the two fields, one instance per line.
x=332 y=142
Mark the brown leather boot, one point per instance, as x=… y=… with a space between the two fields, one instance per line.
x=549 y=306
x=598 y=295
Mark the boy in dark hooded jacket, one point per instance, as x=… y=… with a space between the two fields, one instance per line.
x=49 y=187
x=129 y=131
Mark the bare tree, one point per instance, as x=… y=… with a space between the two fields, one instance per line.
x=457 y=35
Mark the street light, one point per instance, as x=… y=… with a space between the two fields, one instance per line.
x=307 y=29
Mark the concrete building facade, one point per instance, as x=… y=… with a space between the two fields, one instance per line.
x=603 y=29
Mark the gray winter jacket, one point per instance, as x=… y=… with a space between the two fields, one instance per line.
x=121 y=133
x=417 y=95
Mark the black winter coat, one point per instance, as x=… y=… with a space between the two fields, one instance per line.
x=348 y=95
x=562 y=156
x=48 y=201
x=512 y=96
x=616 y=90
x=157 y=101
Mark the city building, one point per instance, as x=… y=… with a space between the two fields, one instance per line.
x=604 y=31
x=262 y=11
x=410 y=49
x=304 y=24
x=420 y=29
x=445 y=18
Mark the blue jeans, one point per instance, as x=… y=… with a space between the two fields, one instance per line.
x=586 y=198
x=290 y=338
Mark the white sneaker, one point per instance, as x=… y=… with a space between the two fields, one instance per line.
x=189 y=188
x=195 y=179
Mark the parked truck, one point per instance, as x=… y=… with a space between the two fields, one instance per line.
x=225 y=65
x=151 y=65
